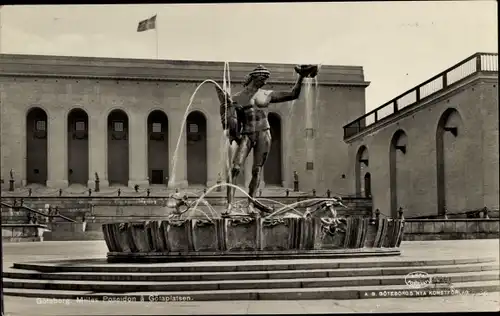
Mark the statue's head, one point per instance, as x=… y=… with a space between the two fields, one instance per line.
x=258 y=77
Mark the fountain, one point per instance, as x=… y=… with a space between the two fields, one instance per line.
x=253 y=229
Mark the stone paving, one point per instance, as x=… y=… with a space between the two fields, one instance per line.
x=23 y=252
x=29 y=306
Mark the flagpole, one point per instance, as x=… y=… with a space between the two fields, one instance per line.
x=157 y=41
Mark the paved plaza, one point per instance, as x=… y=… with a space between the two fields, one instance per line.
x=23 y=252
x=29 y=306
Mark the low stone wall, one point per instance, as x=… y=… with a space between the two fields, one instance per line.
x=451 y=229
x=72 y=236
x=23 y=232
x=65 y=231
x=68 y=227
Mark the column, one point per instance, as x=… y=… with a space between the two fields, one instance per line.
x=177 y=177
x=98 y=150
x=57 y=152
x=138 y=151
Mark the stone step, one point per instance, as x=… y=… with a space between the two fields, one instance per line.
x=96 y=265
x=350 y=292
x=246 y=275
x=120 y=287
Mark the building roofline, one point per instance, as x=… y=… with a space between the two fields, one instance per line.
x=161 y=70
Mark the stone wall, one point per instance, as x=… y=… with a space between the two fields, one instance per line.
x=470 y=159
x=451 y=229
x=23 y=232
x=65 y=231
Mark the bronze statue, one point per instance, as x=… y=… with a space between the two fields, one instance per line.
x=244 y=120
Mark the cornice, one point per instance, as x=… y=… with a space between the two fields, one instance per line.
x=162 y=70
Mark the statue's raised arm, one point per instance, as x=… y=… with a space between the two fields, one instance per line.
x=285 y=96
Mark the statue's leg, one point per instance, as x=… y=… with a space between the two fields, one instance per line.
x=232 y=150
x=240 y=156
x=260 y=153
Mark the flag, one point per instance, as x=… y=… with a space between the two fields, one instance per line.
x=148 y=24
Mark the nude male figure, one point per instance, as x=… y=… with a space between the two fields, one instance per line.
x=245 y=123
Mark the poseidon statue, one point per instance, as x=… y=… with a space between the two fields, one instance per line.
x=245 y=123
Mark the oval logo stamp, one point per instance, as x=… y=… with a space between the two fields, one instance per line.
x=418 y=280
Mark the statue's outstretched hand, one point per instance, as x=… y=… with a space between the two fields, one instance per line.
x=306 y=70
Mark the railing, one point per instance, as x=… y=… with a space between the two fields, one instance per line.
x=479 y=62
x=29 y=209
x=158 y=193
x=471 y=213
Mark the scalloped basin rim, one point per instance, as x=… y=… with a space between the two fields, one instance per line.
x=254 y=237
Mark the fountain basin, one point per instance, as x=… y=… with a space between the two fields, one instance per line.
x=251 y=238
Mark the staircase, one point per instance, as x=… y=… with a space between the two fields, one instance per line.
x=24 y=223
x=251 y=280
x=105 y=207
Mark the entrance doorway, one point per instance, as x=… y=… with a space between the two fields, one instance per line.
x=157 y=177
x=196 y=132
x=272 y=167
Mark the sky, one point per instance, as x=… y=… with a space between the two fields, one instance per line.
x=399 y=44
